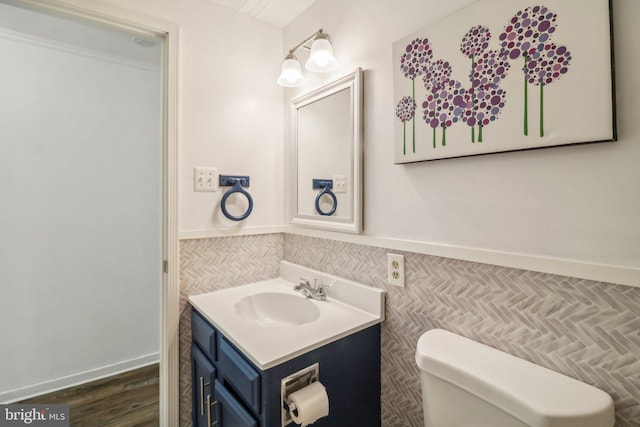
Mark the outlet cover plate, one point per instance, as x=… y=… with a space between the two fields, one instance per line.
x=395 y=269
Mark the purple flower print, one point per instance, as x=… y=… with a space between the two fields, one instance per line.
x=527 y=30
x=416 y=58
x=413 y=63
x=491 y=102
x=474 y=43
x=406 y=108
x=546 y=65
x=436 y=79
x=445 y=106
x=405 y=111
x=437 y=75
x=490 y=69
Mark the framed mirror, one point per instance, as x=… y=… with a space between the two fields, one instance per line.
x=326 y=135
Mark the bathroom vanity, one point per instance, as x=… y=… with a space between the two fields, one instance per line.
x=247 y=339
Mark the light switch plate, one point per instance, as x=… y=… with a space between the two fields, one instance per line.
x=339 y=184
x=205 y=179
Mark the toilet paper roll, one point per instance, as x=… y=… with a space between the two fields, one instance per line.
x=311 y=403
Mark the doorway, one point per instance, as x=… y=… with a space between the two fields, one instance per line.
x=86 y=170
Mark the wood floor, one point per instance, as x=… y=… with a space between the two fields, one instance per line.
x=126 y=400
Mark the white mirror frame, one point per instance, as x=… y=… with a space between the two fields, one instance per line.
x=352 y=224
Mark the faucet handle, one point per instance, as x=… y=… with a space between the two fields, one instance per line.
x=317 y=285
x=321 y=289
x=303 y=282
x=322 y=285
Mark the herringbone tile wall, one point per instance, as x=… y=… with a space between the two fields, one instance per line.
x=587 y=330
x=210 y=264
x=584 y=329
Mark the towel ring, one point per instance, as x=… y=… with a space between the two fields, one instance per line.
x=326 y=190
x=237 y=188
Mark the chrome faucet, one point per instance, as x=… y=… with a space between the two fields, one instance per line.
x=315 y=291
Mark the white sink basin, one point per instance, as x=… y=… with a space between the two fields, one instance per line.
x=271 y=323
x=276 y=309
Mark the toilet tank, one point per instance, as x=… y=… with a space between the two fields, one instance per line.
x=468 y=384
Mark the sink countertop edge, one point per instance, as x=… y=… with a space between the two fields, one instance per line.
x=266 y=354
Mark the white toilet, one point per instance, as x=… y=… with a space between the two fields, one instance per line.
x=468 y=384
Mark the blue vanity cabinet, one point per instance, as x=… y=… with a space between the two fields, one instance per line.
x=230 y=412
x=203 y=374
x=240 y=375
x=224 y=383
x=242 y=395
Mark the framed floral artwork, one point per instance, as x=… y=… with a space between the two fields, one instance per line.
x=502 y=76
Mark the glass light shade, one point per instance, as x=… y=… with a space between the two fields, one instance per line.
x=291 y=75
x=321 y=59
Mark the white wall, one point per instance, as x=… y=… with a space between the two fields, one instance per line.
x=230 y=108
x=80 y=223
x=576 y=203
x=572 y=203
x=230 y=118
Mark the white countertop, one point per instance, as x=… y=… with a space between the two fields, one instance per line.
x=350 y=307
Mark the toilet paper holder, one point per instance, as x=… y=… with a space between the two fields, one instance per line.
x=293 y=383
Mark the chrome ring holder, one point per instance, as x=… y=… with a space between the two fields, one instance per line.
x=236 y=182
x=326 y=185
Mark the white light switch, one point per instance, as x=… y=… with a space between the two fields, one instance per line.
x=339 y=184
x=205 y=179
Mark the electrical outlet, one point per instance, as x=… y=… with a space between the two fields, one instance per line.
x=395 y=269
x=205 y=179
x=339 y=184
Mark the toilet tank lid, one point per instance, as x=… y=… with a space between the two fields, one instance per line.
x=535 y=395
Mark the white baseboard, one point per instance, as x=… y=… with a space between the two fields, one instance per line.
x=56 y=384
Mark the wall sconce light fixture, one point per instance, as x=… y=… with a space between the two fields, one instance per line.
x=321 y=60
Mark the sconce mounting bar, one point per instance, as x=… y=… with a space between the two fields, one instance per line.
x=309 y=39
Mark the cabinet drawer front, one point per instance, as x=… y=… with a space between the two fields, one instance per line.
x=239 y=374
x=204 y=335
x=203 y=376
x=230 y=412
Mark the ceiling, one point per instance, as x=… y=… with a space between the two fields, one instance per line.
x=278 y=13
x=68 y=32
x=79 y=33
